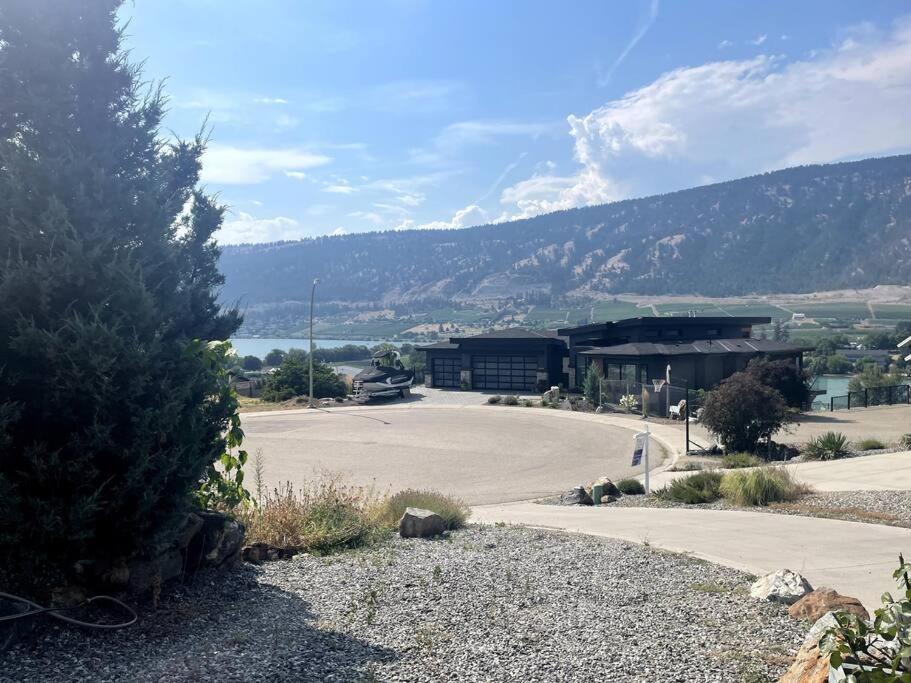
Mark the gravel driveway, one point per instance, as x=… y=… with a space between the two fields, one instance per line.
x=486 y=604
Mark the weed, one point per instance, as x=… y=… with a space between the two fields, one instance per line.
x=869 y=445
x=453 y=511
x=511 y=400
x=734 y=461
x=631 y=487
x=437 y=574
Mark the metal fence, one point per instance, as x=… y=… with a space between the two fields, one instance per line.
x=646 y=398
x=872 y=396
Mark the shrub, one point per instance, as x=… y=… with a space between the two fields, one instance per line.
x=760 y=486
x=112 y=401
x=784 y=377
x=453 y=511
x=694 y=489
x=870 y=445
x=882 y=646
x=905 y=441
x=323 y=518
x=742 y=410
x=493 y=400
x=629 y=402
x=293 y=379
x=591 y=384
x=528 y=403
x=733 y=461
x=631 y=487
x=829 y=446
x=511 y=400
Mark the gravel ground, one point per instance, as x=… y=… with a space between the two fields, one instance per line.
x=484 y=604
x=892 y=508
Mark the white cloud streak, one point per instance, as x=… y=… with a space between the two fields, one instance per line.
x=604 y=79
x=230 y=165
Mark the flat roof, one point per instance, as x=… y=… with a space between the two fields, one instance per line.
x=700 y=347
x=668 y=321
x=437 y=345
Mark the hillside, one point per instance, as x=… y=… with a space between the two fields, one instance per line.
x=801 y=229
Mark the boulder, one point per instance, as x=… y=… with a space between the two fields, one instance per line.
x=810 y=664
x=782 y=586
x=608 y=488
x=576 y=496
x=145 y=574
x=814 y=605
x=191 y=527
x=222 y=539
x=419 y=523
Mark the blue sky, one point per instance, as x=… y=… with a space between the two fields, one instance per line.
x=340 y=117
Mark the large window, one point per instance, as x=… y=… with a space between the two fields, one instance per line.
x=626 y=372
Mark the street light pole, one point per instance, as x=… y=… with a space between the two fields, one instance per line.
x=312 y=295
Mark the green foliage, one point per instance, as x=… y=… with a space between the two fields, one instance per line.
x=511 y=400
x=760 y=486
x=251 y=363
x=871 y=376
x=591 y=384
x=293 y=379
x=453 y=511
x=629 y=402
x=631 y=487
x=905 y=441
x=733 y=461
x=829 y=446
x=742 y=410
x=222 y=488
x=877 y=652
x=274 y=358
x=494 y=400
x=694 y=489
x=784 y=377
x=112 y=401
x=870 y=445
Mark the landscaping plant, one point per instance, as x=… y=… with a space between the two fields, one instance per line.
x=870 y=445
x=453 y=511
x=293 y=379
x=905 y=441
x=760 y=486
x=829 y=446
x=733 y=461
x=784 y=377
x=877 y=651
x=702 y=487
x=511 y=400
x=631 y=487
x=493 y=400
x=114 y=400
x=629 y=402
x=741 y=410
x=591 y=384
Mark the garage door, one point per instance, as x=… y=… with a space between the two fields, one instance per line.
x=510 y=373
x=446 y=372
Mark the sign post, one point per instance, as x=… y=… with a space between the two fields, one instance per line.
x=640 y=453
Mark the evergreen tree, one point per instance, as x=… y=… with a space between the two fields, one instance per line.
x=113 y=401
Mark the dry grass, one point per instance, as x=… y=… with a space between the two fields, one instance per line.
x=761 y=486
x=453 y=511
x=849 y=513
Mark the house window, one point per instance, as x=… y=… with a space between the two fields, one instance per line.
x=671 y=333
x=613 y=372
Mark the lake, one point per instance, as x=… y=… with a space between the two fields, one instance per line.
x=260 y=346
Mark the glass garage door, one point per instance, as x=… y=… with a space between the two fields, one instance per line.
x=446 y=372
x=510 y=373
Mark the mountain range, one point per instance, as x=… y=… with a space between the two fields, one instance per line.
x=802 y=229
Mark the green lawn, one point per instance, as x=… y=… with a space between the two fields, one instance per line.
x=379 y=329
x=756 y=309
x=543 y=315
x=701 y=309
x=839 y=311
x=456 y=315
x=893 y=311
x=618 y=310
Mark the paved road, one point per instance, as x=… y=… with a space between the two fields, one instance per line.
x=484 y=454
x=855 y=559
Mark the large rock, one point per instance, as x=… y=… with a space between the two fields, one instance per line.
x=419 y=523
x=222 y=538
x=146 y=574
x=577 y=496
x=608 y=488
x=263 y=552
x=781 y=586
x=810 y=664
x=816 y=604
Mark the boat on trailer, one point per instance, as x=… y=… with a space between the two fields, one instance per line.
x=386 y=377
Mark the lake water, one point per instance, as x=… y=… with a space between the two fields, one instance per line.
x=259 y=347
x=834 y=385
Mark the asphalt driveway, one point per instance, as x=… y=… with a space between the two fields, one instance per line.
x=483 y=454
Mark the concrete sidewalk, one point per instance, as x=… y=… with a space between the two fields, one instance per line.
x=855 y=559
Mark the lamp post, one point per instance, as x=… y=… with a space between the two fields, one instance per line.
x=312 y=295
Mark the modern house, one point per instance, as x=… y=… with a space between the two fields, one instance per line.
x=698 y=352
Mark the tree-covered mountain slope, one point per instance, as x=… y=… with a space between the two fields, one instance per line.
x=810 y=228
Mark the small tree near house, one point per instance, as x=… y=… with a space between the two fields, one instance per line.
x=591 y=384
x=742 y=410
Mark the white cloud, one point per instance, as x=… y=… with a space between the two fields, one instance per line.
x=297 y=175
x=759 y=40
x=270 y=100
x=230 y=165
x=339 y=231
x=724 y=44
x=340 y=188
x=415 y=96
x=729 y=119
x=463 y=218
x=244 y=228
x=371 y=216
